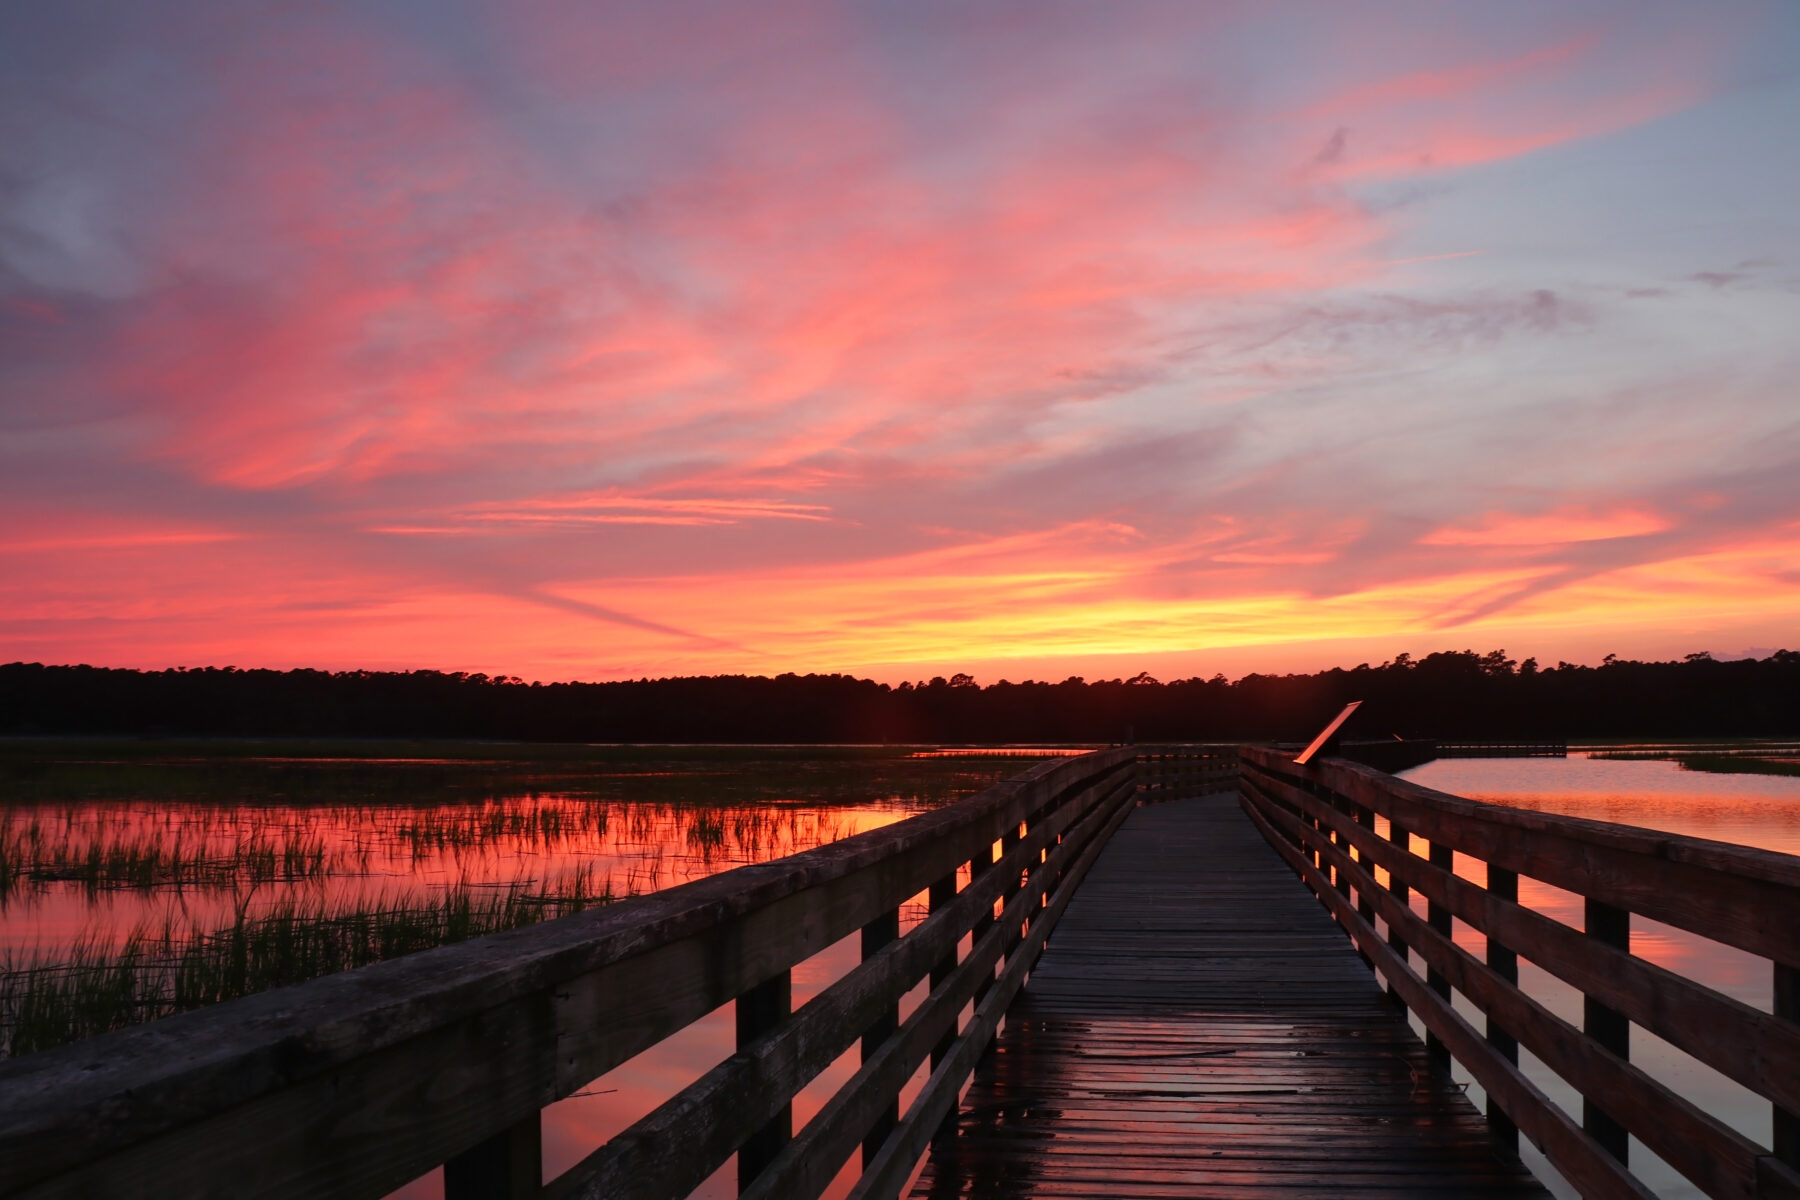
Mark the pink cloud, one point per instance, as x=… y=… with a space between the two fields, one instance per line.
x=1550 y=528
x=786 y=346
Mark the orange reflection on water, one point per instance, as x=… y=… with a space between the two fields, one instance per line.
x=203 y=864
x=1762 y=811
x=113 y=848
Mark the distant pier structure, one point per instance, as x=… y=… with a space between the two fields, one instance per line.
x=1502 y=749
x=1147 y=971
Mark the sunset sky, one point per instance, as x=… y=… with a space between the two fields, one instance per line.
x=595 y=340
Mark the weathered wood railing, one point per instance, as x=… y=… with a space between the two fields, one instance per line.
x=357 y=1083
x=1503 y=750
x=1176 y=772
x=1322 y=819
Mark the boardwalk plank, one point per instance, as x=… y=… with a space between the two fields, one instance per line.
x=1198 y=1026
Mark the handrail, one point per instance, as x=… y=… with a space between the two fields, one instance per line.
x=1321 y=818
x=1503 y=750
x=356 y=1083
x=1178 y=771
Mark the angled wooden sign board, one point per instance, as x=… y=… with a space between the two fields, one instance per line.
x=1328 y=734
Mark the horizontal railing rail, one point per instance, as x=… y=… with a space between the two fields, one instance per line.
x=357 y=1083
x=1184 y=770
x=1503 y=750
x=1322 y=819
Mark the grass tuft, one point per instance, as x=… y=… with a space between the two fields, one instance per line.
x=90 y=987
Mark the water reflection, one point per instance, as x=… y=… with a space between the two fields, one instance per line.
x=1762 y=811
x=1751 y=810
x=142 y=866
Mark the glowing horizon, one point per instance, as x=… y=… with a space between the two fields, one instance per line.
x=610 y=341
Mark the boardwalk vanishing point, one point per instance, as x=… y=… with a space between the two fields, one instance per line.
x=1139 y=972
x=1200 y=1026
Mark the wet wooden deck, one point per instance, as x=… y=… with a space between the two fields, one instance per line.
x=1199 y=1026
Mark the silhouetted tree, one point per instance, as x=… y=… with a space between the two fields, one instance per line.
x=1449 y=694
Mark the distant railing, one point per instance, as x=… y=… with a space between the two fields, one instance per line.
x=1177 y=772
x=354 y=1084
x=1321 y=818
x=1503 y=750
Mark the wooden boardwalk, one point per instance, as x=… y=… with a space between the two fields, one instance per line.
x=1196 y=1025
x=1199 y=1026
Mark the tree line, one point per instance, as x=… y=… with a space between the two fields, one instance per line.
x=1448 y=695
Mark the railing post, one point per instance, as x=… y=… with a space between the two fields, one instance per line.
x=1365 y=905
x=1504 y=962
x=1340 y=876
x=1317 y=856
x=1787 y=1007
x=1016 y=883
x=1609 y=1027
x=1398 y=835
x=759 y=1010
x=1438 y=918
x=942 y=893
x=507 y=1166
x=875 y=935
x=980 y=865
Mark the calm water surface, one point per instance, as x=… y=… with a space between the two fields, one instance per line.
x=91 y=851
x=1750 y=810
x=97 y=853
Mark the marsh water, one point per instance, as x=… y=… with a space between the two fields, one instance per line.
x=139 y=879
x=1760 y=810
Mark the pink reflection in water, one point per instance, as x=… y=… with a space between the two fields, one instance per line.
x=575 y=1127
x=200 y=863
x=1762 y=811
x=205 y=863
x=1751 y=810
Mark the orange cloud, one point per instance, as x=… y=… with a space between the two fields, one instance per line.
x=831 y=340
x=1554 y=528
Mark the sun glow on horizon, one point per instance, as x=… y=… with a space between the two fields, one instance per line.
x=873 y=340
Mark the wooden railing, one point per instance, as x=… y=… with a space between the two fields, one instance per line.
x=1322 y=819
x=354 y=1084
x=1503 y=750
x=1177 y=772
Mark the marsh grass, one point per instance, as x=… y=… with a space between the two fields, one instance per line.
x=90 y=986
x=246 y=773
x=54 y=994
x=536 y=825
x=31 y=855
x=210 y=871
x=1731 y=764
x=1750 y=759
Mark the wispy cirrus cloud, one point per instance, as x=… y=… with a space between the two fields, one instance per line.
x=611 y=508
x=614 y=342
x=1550 y=528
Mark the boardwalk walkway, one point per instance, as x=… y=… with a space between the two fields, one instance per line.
x=1198 y=1026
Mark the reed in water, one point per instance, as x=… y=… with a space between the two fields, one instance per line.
x=92 y=986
